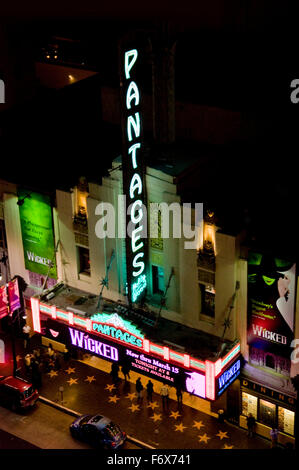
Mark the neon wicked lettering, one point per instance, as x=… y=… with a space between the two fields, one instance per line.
x=229 y=373
x=137 y=215
x=269 y=335
x=82 y=340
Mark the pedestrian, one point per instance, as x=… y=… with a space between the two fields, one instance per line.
x=250 y=425
x=27 y=361
x=114 y=372
x=36 y=355
x=26 y=334
x=179 y=394
x=125 y=370
x=274 y=437
x=50 y=351
x=165 y=395
x=139 y=388
x=150 y=389
x=57 y=362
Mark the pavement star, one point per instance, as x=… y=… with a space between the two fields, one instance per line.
x=90 y=379
x=114 y=398
x=109 y=387
x=227 y=447
x=222 y=435
x=174 y=414
x=72 y=381
x=53 y=373
x=153 y=405
x=180 y=427
x=131 y=396
x=198 y=424
x=204 y=438
x=134 y=407
x=156 y=417
x=70 y=370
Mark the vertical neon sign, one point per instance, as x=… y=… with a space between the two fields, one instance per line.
x=133 y=176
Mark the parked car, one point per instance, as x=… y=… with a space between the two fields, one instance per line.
x=17 y=393
x=98 y=431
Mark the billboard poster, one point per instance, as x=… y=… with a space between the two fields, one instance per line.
x=271 y=303
x=3 y=302
x=14 y=295
x=37 y=233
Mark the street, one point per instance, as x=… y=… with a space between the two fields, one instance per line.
x=44 y=427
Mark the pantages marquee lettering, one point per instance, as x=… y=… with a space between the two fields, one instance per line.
x=116 y=327
x=82 y=340
x=136 y=186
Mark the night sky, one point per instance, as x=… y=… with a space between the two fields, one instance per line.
x=230 y=56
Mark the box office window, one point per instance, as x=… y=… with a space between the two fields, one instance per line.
x=286 y=420
x=249 y=404
x=267 y=413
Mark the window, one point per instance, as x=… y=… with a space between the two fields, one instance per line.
x=249 y=405
x=83 y=260
x=207 y=300
x=267 y=413
x=158 y=280
x=286 y=420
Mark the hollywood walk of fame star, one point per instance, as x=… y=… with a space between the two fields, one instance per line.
x=90 y=379
x=204 y=438
x=52 y=373
x=110 y=387
x=153 y=405
x=174 y=414
x=113 y=399
x=222 y=435
x=134 y=408
x=198 y=424
x=131 y=396
x=180 y=427
x=72 y=381
x=227 y=447
x=70 y=370
x=156 y=417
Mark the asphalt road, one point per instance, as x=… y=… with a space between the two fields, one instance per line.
x=44 y=427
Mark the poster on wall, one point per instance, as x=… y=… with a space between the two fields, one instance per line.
x=3 y=302
x=14 y=295
x=37 y=233
x=271 y=303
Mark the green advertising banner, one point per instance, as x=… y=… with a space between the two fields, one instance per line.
x=37 y=233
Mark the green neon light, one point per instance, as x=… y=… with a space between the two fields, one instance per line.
x=138 y=287
x=62 y=315
x=232 y=354
x=269 y=280
x=155 y=348
x=198 y=365
x=180 y=358
x=45 y=309
x=79 y=321
x=118 y=322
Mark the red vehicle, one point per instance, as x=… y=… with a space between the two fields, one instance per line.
x=17 y=393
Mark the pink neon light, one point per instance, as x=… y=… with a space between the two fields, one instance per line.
x=88 y=324
x=53 y=312
x=186 y=360
x=71 y=318
x=35 y=314
x=166 y=353
x=210 y=380
x=218 y=367
x=146 y=345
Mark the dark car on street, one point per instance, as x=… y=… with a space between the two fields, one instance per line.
x=17 y=393
x=98 y=431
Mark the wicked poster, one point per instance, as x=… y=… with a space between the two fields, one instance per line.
x=271 y=301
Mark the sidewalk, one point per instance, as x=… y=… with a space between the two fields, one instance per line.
x=88 y=390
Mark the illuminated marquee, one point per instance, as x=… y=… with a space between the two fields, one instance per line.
x=82 y=340
x=133 y=136
x=116 y=327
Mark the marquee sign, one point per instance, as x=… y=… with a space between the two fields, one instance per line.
x=228 y=376
x=133 y=174
x=116 y=327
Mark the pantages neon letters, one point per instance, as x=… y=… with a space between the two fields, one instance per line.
x=116 y=327
x=82 y=340
x=133 y=130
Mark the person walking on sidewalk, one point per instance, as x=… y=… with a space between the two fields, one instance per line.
x=179 y=394
x=274 y=437
x=150 y=389
x=27 y=361
x=250 y=425
x=114 y=373
x=139 y=388
x=125 y=370
x=26 y=333
x=165 y=395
